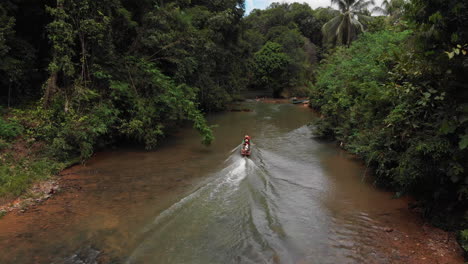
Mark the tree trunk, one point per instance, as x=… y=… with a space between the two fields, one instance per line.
x=50 y=89
x=348 y=41
x=9 y=93
x=66 y=106
x=83 y=58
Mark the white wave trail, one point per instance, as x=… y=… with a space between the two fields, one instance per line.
x=231 y=176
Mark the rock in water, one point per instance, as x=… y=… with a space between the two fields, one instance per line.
x=86 y=255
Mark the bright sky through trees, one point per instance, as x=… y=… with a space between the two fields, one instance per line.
x=262 y=4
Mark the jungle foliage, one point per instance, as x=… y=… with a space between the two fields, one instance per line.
x=398 y=98
x=118 y=68
x=285 y=43
x=79 y=75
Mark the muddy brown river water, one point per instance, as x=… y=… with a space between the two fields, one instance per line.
x=295 y=200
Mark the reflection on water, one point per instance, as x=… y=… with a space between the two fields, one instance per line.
x=296 y=200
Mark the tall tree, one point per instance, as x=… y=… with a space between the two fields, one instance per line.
x=348 y=22
x=6 y=29
x=270 y=67
x=19 y=47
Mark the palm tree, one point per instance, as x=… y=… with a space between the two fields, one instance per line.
x=348 y=22
x=392 y=8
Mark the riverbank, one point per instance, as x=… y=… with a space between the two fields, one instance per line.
x=425 y=244
x=36 y=194
x=38 y=141
x=28 y=177
x=400 y=231
x=28 y=174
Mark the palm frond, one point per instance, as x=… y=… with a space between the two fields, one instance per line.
x=379 y=9
x=330 y=29
x=358 y=26
x=328 y=11
x=344 y=28
x=392 y=7
x=364 y=18
x=385 y=4
x=343 y=5
x=362 y=5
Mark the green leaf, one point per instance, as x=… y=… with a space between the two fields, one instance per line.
x=463 y=144
x=447 y=127
x=450 y=54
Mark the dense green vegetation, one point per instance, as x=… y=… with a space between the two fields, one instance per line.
x=285 y=43
x=77 y=75
x=398 y=98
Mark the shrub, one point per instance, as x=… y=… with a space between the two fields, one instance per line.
x=9 y=130
x=463 y=240
x=16 y=177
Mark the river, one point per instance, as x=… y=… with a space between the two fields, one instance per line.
x=295 y=200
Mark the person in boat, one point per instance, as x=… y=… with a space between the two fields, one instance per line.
x=246 y=144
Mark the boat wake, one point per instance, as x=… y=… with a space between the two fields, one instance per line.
x=208 y=207
x=239 y=215
x=270 y=208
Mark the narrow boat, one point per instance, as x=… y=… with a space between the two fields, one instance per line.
x=294 y=100
x=246 y=148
